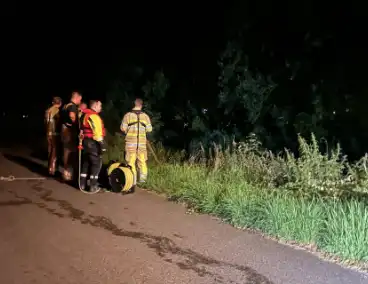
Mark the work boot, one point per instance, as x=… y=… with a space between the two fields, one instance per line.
x=93 y=185
x=67 y=176
x=94 y=188
x=52 y=168
x=82 y=183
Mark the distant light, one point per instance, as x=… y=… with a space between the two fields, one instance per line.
x=25 y=116
x=334 y=112
x=347 y=110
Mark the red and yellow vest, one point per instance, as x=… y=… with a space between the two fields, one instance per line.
x=92 y=125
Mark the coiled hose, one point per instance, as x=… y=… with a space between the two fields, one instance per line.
x=121 y=177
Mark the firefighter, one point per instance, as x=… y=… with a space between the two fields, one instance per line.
x=69 y=135
x=52 y=121
x=136 y=124
x=81 y=109
x=93 y=132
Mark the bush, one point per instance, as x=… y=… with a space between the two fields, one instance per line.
x=312 y=174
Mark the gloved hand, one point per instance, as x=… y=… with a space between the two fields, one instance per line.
x=102 y=147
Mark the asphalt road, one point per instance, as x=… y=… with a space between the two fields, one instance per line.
x=52 y=233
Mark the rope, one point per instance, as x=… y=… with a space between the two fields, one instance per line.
x=152 y=152
x=79 y=170
x=13 y=178
x=149 y=146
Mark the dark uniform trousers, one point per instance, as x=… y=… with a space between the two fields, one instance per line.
x=92 y=161
x=69 y=138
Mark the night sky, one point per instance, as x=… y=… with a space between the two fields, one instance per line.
x=52 y=52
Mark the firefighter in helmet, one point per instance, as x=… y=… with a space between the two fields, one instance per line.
x=93 y=133
x=136 y=124
x=52 y=122
x=69 y=135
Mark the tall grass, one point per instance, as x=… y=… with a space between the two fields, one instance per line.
x=346 y=230
x=317 y=199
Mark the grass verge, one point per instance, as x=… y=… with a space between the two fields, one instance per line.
x=316 y=200
x=337 y=227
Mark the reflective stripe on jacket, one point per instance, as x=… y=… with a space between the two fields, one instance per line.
x=136 y=124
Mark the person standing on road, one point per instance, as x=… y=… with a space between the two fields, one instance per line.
x=93 y=133
x=52 y=122
x=135 y=125
x=69 y=135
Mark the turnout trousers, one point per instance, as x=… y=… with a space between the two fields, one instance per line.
x=91 y=162
x=138 y=157
x=52 y=149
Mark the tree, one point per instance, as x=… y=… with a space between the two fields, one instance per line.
x=154 y=94
x=243 y=94
x=127 y=87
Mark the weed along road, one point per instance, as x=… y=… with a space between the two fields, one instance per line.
x=52 y=233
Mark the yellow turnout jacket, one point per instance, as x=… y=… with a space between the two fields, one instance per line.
x=52 y=120
x=136 y=124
